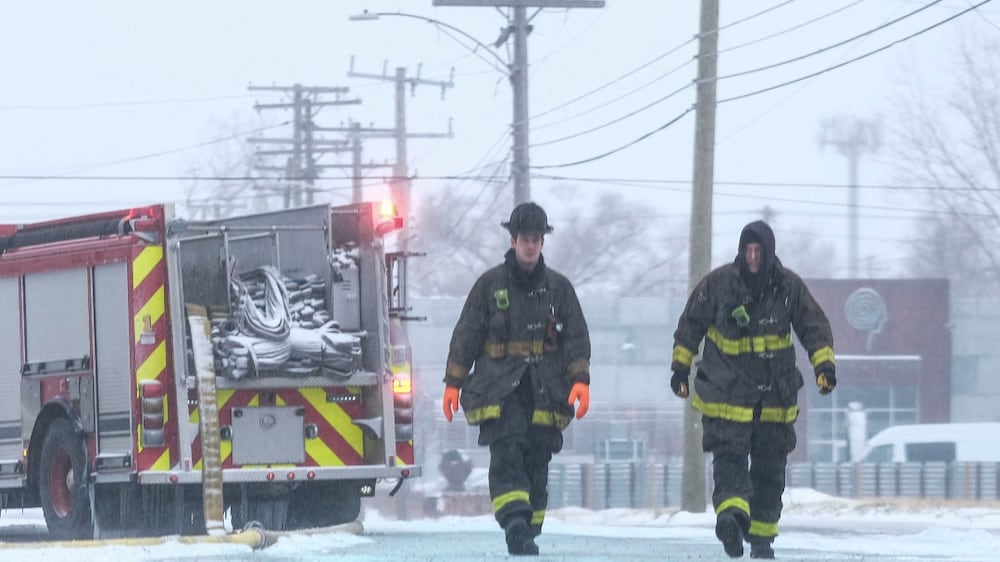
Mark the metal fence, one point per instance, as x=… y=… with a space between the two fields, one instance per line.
x=645 y=485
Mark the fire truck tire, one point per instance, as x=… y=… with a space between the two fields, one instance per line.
x=62 y=482
x=324 y=504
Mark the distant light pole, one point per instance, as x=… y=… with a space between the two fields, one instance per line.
x=852 y=137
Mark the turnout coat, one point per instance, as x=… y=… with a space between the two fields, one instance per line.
x=516 y=323
x=748 y=358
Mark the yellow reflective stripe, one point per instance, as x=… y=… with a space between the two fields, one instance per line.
x=683 y=355
x=538 y=517
x=153 y=308
x=456 y=371
x=578 y=367
x=548 y=418
x=723 y=411
x=779 y=415
x=510 y=497
x=822 y=355
x=735 y=501
x=144 y=263
x=153 y=365
x=743 y=414
x=757 y=344
x=762 y=529
x=481 y=414
x=162 y=462
x=497 y=350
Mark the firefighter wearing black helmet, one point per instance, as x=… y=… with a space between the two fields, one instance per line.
x=520 y=359
x=747 y=384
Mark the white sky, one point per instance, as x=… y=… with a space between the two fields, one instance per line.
x=122 y=88
x=819 y=522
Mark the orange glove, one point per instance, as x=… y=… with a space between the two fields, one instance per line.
x=580 y=392
x=450 y=401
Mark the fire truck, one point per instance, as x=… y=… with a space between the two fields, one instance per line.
x=161 y=372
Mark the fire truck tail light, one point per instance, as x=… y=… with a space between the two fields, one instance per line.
x=153 y=414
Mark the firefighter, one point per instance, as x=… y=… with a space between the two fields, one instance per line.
x=747 y=383
x=520 y=355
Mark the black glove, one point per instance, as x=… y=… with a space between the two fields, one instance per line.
x=679 y=383
x=826 y=380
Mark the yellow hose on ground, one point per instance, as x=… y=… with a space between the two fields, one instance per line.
x=254 y=538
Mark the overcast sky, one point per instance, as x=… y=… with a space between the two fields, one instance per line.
x=122 y=88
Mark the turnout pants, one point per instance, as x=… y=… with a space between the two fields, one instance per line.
x=520 y=453
x=754 y=489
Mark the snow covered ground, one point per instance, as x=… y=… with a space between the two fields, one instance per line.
x=848 y=528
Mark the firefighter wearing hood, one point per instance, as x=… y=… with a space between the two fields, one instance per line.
x=520 y=355
x=747 y=383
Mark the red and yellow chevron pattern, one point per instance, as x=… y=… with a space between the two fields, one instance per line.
x=150 y=354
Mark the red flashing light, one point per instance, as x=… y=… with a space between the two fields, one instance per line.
x=389 y=219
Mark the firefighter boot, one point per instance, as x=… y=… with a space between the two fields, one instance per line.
x=729 y=528
x=519 y=537
x=761 y=549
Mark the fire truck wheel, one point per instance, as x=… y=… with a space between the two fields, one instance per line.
x=63 y=482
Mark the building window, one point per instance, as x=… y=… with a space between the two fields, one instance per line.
x=884 y=406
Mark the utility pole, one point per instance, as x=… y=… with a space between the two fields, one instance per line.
x=300 y=167
x=852 y=137
x=400 y=185
x=700 y=253
x=519 y=27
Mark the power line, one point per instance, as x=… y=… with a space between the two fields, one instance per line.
x=763 y=90
x=833 y=46
x=88 y=167
x=97 y=105
x=680 y=66
x=613 y=121
x=857 y=58
x=733 y=75
x=790 y=29
x=620 y=148
x=650 y=62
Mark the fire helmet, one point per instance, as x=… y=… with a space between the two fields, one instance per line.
x=528 y=218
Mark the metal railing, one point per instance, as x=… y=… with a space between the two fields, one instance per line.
x=652 y=485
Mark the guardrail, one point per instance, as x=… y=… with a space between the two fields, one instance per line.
x=652 y=485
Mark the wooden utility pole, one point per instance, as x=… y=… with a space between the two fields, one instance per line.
x=300 y=167
x=519 y=27
x=700 y=254
x=400 y=184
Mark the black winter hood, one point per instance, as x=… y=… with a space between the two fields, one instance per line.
x=757 y=231
x=526 y=279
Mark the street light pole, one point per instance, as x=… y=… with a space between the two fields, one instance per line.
x=517 y=71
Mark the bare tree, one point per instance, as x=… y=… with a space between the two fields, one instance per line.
x=224 y=169
x=951 y=143
x=620 y=250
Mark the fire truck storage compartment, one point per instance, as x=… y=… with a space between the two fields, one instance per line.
x=56 y=321
x=296 y=244
x=112 y=350
x=10 y=371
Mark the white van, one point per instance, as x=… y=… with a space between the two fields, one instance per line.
x=947 y=442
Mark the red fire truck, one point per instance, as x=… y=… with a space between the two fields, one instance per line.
x=160 y=371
